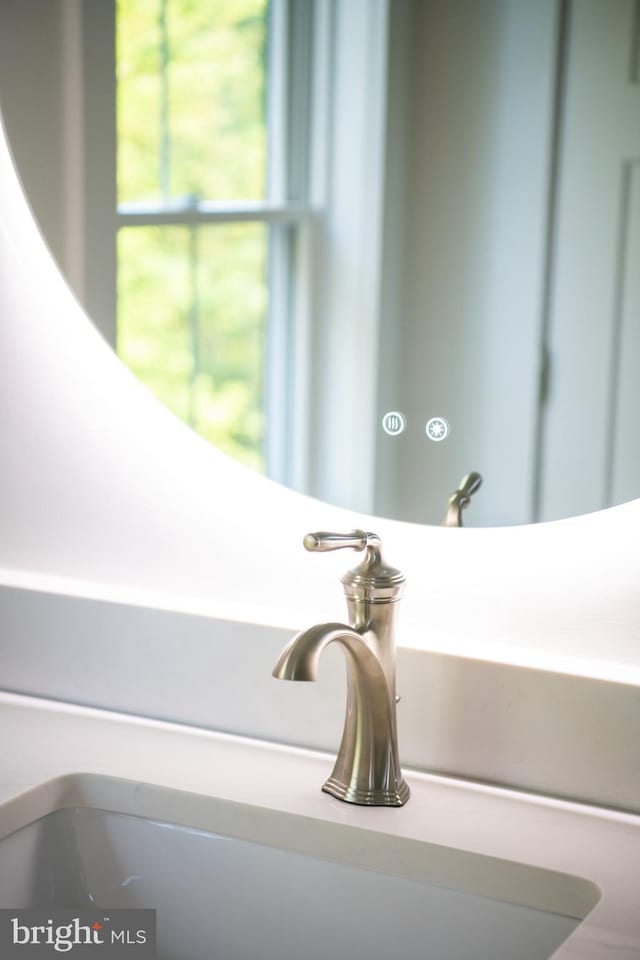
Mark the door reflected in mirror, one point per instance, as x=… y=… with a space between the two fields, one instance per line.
x=365 y=253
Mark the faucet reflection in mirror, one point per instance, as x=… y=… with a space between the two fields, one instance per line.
x=461 y=498
x=367 y=768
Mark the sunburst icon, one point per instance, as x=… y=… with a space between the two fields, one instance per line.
x=437 y=429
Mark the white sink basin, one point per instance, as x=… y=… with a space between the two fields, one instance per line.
x=235 y=882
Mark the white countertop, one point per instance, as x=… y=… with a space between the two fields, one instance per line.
x=41 y=739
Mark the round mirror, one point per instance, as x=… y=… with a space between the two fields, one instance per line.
x=372 y=250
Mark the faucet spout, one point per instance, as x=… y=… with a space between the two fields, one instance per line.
x=367 y=768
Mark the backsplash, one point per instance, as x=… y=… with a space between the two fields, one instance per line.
x=534 y=730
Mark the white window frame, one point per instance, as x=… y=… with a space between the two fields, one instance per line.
x=325 y=215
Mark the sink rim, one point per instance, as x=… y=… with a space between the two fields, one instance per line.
x=452 y=868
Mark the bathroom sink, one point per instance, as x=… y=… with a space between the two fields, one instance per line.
x=234 y=882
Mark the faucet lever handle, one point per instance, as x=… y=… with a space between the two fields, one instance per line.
x=372 y=579
x=356 y=540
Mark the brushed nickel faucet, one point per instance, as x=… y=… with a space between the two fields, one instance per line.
x=367 y=768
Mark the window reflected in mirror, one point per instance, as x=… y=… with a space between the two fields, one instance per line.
x=192 y=283
x=192 y=306
x=317 y=229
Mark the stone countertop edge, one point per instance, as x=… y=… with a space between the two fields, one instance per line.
x=41 y=740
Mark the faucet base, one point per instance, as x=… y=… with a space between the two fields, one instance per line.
x=367 y=798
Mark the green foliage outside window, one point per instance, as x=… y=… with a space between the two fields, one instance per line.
x=192 y=300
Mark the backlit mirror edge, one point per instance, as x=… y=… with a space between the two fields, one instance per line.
x=114 y=490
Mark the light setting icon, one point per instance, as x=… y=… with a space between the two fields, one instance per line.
x=437 y=429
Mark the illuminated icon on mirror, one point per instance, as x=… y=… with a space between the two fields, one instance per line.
x=437 y=429
x=394 y=423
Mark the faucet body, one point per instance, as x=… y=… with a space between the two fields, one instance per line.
x=367 y=768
